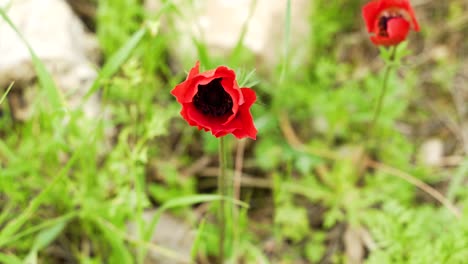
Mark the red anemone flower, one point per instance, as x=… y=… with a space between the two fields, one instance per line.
x=389 y=21
x=213 y=101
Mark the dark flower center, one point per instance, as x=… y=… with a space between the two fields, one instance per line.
x=211 y=99
x=383 y=23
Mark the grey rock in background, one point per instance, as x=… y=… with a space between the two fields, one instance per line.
x=219 y=24
x=59 y=39
x=431 y=152
x=171 y=234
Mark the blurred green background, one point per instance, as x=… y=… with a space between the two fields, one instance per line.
x=68 y=190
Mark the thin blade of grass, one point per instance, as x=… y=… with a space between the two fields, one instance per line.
x=255 y=252
x=6 y=92
x=116 y=241
x=203 y=54
x=64 y=218
x=167 y=7
x=186 y=201
x=457 y=180
x=199 y=198
x=10 y=259
x=6 y=151
x=43 y=239
x=46 y=236
x=158 y=249
x=13 y=226
x=247 y=79
x=6 y=211
x=196 y=242
x=45 y=79
x=287 y=38
x=236 y=52
x=116 y=60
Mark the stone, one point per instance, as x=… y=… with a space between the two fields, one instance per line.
x=354 y=247
x=219 y=24
x=172 y=234
x=60 y=40
x=431 y=152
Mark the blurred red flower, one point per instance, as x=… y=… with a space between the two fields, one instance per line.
x=389 y=21
x=213 y=101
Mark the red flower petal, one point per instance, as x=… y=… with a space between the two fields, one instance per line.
x=194 y=71
x=239 y=122
x=244 y=117
x=403 y=5
x=373 y=11
x=184 y=92
x=397 y=29
x=370 y=12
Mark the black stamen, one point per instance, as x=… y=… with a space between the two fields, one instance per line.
x=211 y=99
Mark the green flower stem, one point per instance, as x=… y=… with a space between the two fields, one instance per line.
x=381 y=98
x=222 y=192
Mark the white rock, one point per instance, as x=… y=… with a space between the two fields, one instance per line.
x=219 y=24
x=171 y=233
x=59 y=39
x=431 y=152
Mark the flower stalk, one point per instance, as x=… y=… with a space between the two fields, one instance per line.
x=213 y=101
x=222 y=192
x=381 y=98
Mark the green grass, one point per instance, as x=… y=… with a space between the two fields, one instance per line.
x=64 y=184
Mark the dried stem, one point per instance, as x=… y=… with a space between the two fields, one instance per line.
x=294 y=142
x=416 y=182
x=238 y=170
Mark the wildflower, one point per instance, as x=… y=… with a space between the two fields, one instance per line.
x=389 y=21
x=213 y=101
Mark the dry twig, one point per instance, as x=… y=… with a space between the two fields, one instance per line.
x=294 y=142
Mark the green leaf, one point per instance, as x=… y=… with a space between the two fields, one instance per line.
x=10 y=259
x=13 y=226
x=198 y=237
x=46 y=236
x=456 y=184
x=120 y=253
x=115 y=61
x=43 y=239
x=292 y=221
x=247 y=79
x=186 y=201
x=26 y=232
x=194 y=199
x=203 y=54
x=117 y=238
